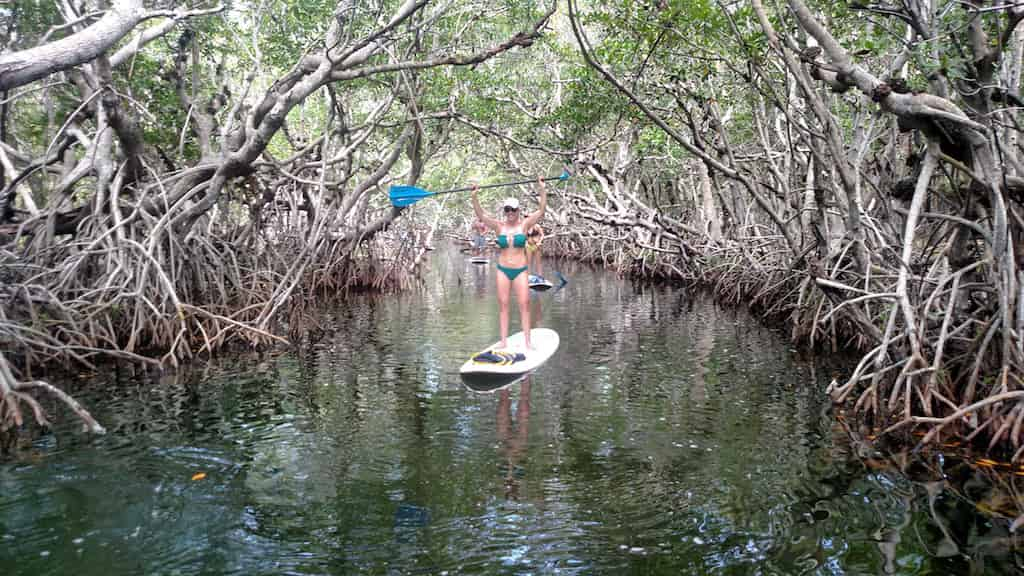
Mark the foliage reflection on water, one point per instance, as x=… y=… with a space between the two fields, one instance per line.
x=665 y=436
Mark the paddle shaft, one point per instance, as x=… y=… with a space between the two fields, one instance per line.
x=464 y=188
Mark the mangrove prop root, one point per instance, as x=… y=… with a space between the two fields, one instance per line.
x=936 y=351
x=14 y=393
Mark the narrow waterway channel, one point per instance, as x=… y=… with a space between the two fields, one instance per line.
x=666 y=436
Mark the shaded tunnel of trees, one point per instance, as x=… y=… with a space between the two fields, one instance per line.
x=178 y=176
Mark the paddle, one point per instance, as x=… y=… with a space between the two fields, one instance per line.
x=402 y=196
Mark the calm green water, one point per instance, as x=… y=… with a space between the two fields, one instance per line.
x=666 y=436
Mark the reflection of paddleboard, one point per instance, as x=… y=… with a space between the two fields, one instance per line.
x=514 y=358
x=487 y=383
x=479 y=260
x=539 y=283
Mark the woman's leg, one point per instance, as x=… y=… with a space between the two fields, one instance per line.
x=504 y=287
x=522 y=289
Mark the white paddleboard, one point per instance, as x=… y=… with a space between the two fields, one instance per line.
x=539 y=283
x=514 y=358
x=479 y=260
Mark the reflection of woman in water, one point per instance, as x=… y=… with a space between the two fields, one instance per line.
x=480 y=282
x=513 y=440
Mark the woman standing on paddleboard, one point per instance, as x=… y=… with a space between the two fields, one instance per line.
x=534 y=238
x=512 y=259
x=479 y=241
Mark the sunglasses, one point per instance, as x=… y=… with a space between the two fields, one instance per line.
x=510 y=209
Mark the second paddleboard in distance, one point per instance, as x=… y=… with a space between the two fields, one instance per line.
x=539 y=283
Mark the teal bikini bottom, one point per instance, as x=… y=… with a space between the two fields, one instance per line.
x=512 y=272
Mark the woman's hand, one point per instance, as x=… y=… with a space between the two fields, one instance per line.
x=490 y=222
x=542 y=205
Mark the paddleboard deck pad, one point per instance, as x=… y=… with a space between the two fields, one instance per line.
x=539 y=283
x=514 y=358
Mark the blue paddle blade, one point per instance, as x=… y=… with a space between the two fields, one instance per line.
x=564 y=176
x=402 y=196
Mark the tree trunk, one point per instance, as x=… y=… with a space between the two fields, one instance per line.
x=710 y=222
x=20 y=68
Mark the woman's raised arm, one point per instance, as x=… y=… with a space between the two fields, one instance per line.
x=535 y=216
x=492 y=223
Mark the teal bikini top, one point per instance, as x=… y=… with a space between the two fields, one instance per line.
x=518 y=241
